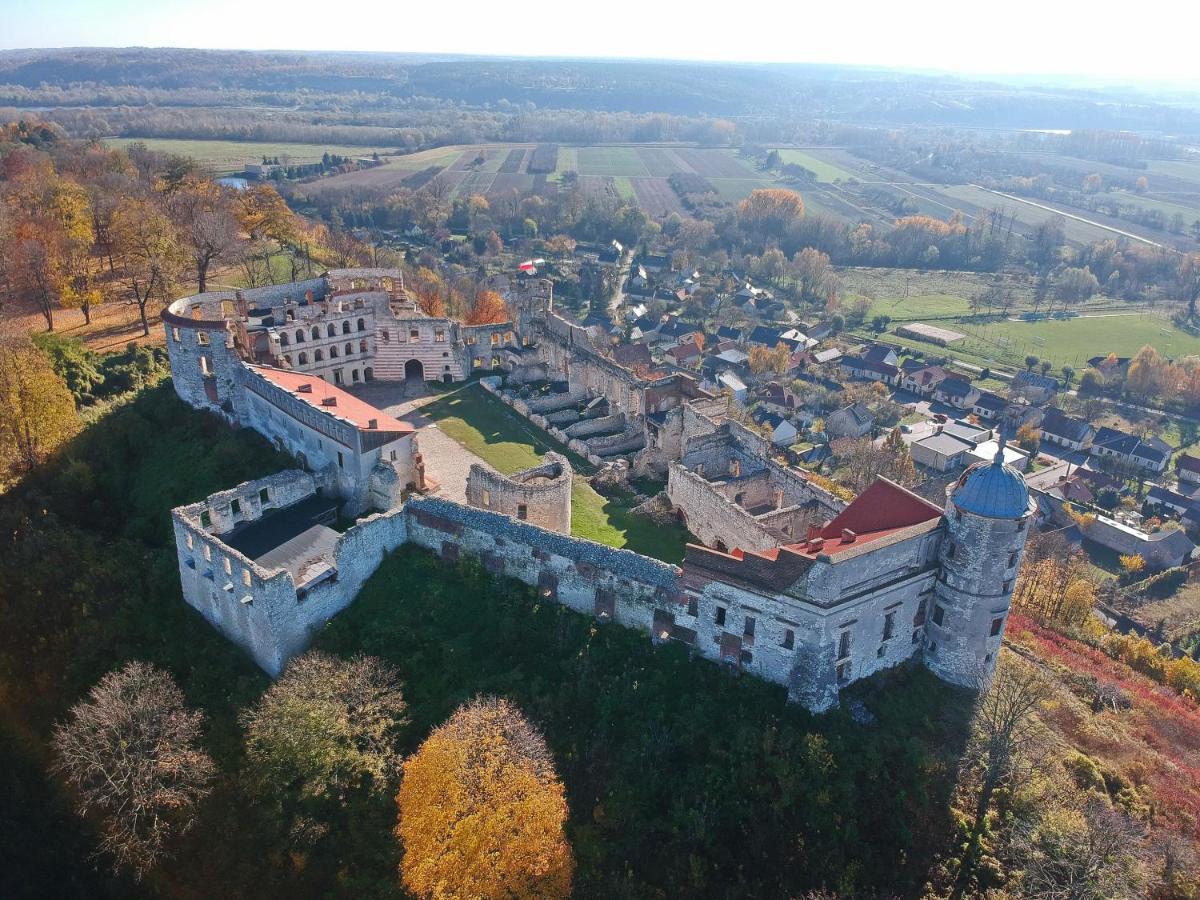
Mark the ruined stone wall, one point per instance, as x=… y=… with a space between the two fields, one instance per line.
x=612 y=585
x=253 y=499
x=262 y=610
x=979 y=560
x=714 y=520
x=540 y=496
x=204 y=363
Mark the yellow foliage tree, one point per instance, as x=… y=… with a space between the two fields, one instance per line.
x=37 y=411
x=481 y=810
x=1132 y=564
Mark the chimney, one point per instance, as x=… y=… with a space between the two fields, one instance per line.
x=814 y=531
x=372 y=423
x=816 y=544
x=308 y=296
x=305 y=388
x=329 y=401
x=848 y=536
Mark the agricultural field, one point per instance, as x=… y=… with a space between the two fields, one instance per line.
x=225 y=157
x=632 y=173
x=1184 y=169
x=656 y=197
x=826 y=172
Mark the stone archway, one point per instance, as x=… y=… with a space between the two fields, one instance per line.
x=414 y=370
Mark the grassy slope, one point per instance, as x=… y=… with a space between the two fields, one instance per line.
x=491 y=430
x=681 y=780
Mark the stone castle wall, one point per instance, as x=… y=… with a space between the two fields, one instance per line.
x=264 y=611
x=540 y=496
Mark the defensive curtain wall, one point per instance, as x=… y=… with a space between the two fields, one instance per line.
x=809 y=617
x=541 y=495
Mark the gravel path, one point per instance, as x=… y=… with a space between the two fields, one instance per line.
x=446 y=461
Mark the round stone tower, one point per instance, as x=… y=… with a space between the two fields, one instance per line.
x=987 y=521
x=204 y=363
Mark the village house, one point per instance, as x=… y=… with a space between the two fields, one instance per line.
x=957 y=392
x=924 y=380
x=783 y=432
x=684 y=355
x=1065 y=431
x=1114 y=444
x=850 y=421
x=877 y=363
x=1169 y=500
x=1033 y=386
x=989 y=406
x=1187 y=468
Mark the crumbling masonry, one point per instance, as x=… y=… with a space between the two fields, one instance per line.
x=789 y=584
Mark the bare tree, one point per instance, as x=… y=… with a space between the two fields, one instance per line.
x=207 y=225
x=1002 y=749
x=131 y=753
x=1093 y=852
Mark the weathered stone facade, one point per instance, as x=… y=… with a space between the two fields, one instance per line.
x=269 y=610
x=730 y=494
x=540 y=496
x=793 y=585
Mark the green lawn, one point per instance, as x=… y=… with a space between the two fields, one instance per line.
x=826 y=172
x=492 y=431
x=625 y=188
x=232 y=156
x=924 y=306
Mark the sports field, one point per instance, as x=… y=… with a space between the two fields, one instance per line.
x=1074 y=341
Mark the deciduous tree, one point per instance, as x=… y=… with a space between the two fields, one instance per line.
x=150 y=253
x=328 y=726
x=131 y=752
x=488 y=308
x=481 y=810
x=37 y=411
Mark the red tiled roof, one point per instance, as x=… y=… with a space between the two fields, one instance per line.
x=684 y=351
x=347 y=406
x=882 y=509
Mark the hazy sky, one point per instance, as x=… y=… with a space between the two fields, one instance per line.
x=1147 y=40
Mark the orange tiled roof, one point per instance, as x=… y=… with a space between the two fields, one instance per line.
x=346 y=406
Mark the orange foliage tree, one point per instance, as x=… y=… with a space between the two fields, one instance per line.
x=481 y=810
x=487 y=309
x=771 y=209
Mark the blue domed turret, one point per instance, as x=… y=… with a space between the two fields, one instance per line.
x=993 y=490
